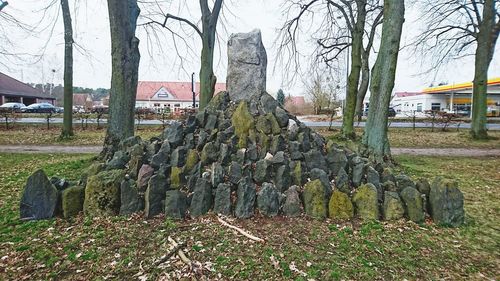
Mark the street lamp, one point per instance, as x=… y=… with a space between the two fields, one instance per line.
x=3 y=4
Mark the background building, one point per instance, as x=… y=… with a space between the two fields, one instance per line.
x=12 y=90
x=173 y=96
x=456 y=98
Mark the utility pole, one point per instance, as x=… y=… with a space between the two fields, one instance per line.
x=193 y=90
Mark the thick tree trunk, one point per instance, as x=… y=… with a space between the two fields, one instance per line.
x=375 y=141
x=483 y=56
x=67 y=129
x=125 y=59
x=363 y=86
x=207 y=76
x=353 y=80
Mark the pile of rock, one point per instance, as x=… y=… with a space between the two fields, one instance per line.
x=239 y=159
x=241 y=155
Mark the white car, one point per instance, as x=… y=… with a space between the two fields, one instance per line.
x=15 y=106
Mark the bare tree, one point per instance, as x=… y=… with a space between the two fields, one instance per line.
x=375 y=141
x=67 y=129
x=342 y=26
x=451 y=30
x=125 y=59
x=207 y=34
x=322 y=91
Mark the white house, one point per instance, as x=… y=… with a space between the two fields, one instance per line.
x=173 y=96
x=455 y=98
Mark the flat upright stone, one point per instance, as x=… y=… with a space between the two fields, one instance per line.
x=340 y=206
x=247 y=65
x=102 y=193
x=366 y=202
x=175 y=204
x=222 y=202
x=245 y=202
x=315 y=203
x=39 y=198
x=155 y=196
x=72 y=200
x=393 y=206
x=292 y=206
x=202 y=198
x=268 y=200
x=446 y=203
x=130 y=201
x=414 y=204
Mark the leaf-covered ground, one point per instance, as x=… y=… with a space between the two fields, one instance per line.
x=295 y=249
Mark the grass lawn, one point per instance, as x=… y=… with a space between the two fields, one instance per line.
x=295 y=249
x=39 y=135
x=399 y=137
x=425 y=138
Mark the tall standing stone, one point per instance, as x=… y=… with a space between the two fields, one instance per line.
x=246 y=74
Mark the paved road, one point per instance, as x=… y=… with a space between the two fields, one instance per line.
x=395 y=151
x=308 y=123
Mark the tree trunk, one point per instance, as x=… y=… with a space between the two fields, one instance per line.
x=67 y=129
x=363 y=86
x=353 y=80
x=375 y=142
x=125 y=59
x=207 y=76
x=483 y=56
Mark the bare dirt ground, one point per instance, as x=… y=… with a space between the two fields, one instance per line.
x=464 y=152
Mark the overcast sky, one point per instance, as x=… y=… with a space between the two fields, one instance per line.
x=93 y=65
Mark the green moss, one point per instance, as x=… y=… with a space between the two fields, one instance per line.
x=267 y=124
x=297 y=174
x=191 y=160
x=314 y=199
x=176 y=178
x=72 y=200
x=366 y=202
x=102 y=193
x=242 y=122
x=340 y=206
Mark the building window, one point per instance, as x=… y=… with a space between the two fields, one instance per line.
x=419 y=107
x=177 y=105
x=436 y=106
x=156 y=105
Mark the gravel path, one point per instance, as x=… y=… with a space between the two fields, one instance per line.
x=471 y=152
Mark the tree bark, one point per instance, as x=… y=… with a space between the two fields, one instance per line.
x=353 y=80
x=125 y=59
x=209 y=28
x=207 y=76
x=486 y=41
x=375 y=143
x=67 y=129
x=363 y=86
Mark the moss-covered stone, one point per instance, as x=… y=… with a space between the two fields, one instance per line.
x=242 y=122
x=191 y=160
x=267 y=124
x=314 y=199
x=393 y=206
x=446 y=202
x=340 y=206
x=93 y=169
x=72 y=200
x=176 y=178
x=366 y=202
x=297 y=173
x=102 y=193
x=413 y=203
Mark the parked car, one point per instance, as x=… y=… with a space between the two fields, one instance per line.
x=14 y=106
x=40 y=108
x=59 y=109
x=390 y=113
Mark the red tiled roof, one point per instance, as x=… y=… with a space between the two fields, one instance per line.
x=181 y=90
x=406 y=94
x=11 y=86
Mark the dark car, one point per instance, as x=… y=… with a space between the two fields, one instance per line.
x=13 y=106
x=40 y=108
x=390 y=113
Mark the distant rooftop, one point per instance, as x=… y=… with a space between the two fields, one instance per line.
x=13 y=87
